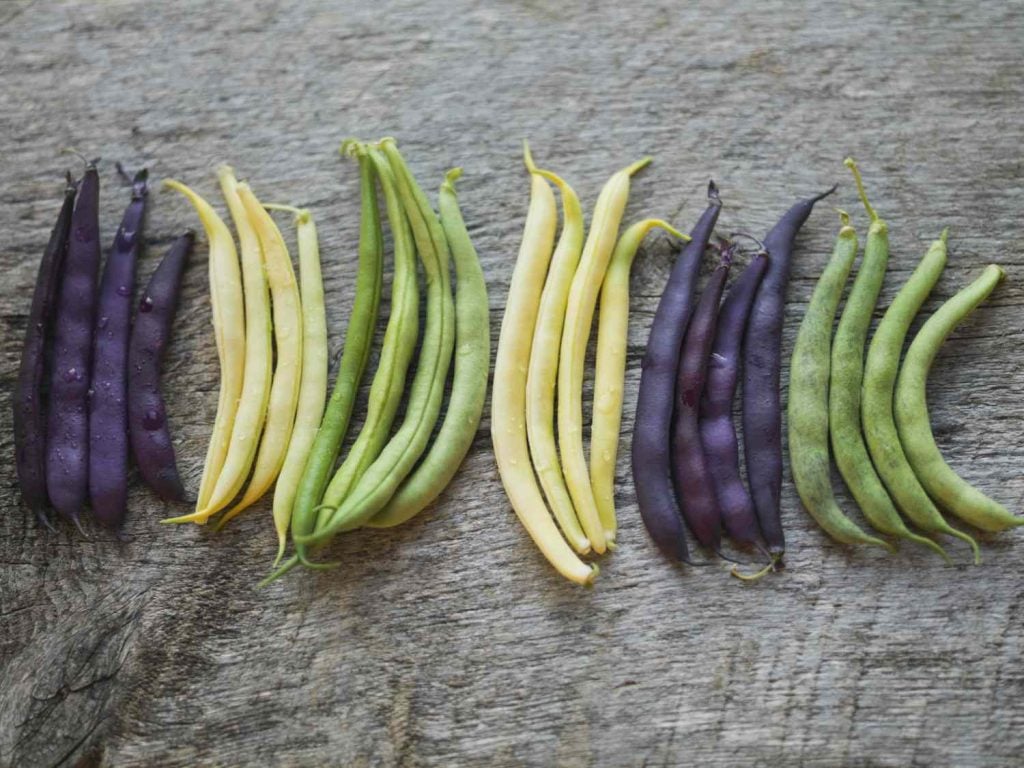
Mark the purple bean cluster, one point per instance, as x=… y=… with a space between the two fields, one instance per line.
x=75 y=386
x=685 y=445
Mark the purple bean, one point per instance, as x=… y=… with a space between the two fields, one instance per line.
x=108 y=408
x=717 y=429
x=651 y=431
x=695 y=489
x=67 y=447
x=147 y=416
x=762 y=361
x=29 y=404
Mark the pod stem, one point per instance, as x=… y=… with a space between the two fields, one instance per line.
x=528 y=157
x=844 y=218
x=849 y=163
x=301 y=214
x=756 y=576
x=451 y=177
x=966 y=537
x=643 y=162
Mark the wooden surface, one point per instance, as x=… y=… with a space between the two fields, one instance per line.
x=449 y=641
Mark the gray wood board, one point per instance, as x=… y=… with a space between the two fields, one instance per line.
x=450 y=641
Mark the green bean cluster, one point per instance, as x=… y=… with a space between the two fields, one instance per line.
x=389 y=476
x=872 y=412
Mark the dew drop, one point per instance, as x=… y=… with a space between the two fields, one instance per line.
x=103 y=322
x=72 y=375
x=124 y=290
x=146 y=305
x=152 y=419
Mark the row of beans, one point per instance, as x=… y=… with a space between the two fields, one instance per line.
x=88 y=390
x=89 y=385
x=872 y=409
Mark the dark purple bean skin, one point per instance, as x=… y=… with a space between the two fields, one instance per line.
x=29 y=403
x=717 y=429
x=652 y=430
x=67 y=447
x=762 y=361
x=147 y=416
x=691 y=476
x=108 y=403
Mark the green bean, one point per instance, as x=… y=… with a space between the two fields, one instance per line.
x=542 y=373
x=848 y=447
x=943 y=484
x=808 y=397
x=880 y=370
x=469 y=381
x=395 y=357
x=396 y=460
x=356 y=354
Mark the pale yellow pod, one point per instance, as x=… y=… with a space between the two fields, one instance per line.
x=508 y=394
x=288 y=338
x=229 y=330
x=579 y=315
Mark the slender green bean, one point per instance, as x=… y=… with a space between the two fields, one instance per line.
x=808 y=397
x=314 y=372
x=944 y=485
x=396 y=460
x=543 y=369
x=395 y=357
x=579 y=316
x=469 y=381
x=880 y=370
x=354 y=357
x=610 y=368
x=848 y=447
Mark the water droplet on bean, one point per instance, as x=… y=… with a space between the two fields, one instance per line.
x=72 y=375
x=152 y=419
x=124 y=290
x=146 y=305
x=103 y=322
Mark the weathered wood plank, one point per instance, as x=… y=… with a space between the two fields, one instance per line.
x=449 y=641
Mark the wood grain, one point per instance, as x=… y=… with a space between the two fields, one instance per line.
x=449 y=642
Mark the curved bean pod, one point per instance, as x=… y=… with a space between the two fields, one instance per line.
x=108 y=400
x=762 y=361
x=944 y=485
x=610 y=368
x=397 y=459
x=67 y=428
x=252 y=407
x=543 y=370
x=229 y=330
x=29 y=403
x=651 y=429
x=313 y=387
x=690 y=474
x=395 y=355
x=288 y=341
x=579 y=316
x=808 y=397
x=847 y=374
x=469 y=381
x=147 y=415
x=355 y=355
x=508 y=393
x=717 y=429
x=876 y=408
